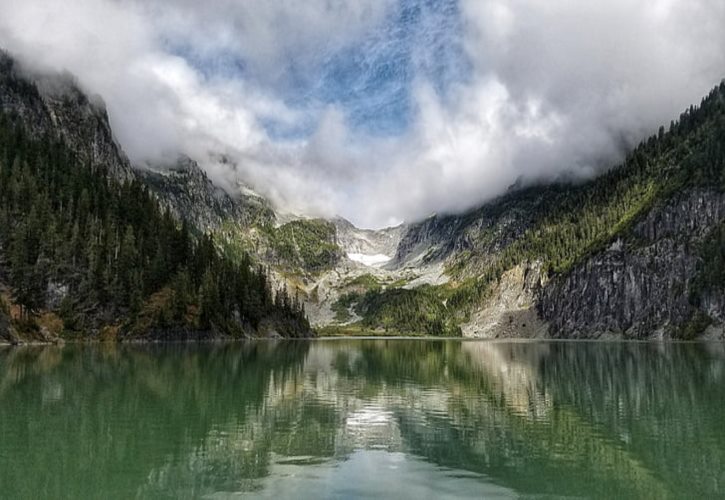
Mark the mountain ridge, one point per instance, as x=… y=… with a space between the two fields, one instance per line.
x=620 y=256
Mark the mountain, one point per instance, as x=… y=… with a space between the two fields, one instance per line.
x=369 y=247
x=186 y=190
x=635 y=253
x=88 y=251
x=54 y=105
x=638 y=252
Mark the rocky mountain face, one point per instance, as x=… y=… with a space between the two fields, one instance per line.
x=368 y=246
x=54 y=105
x=511 y=309
x=185 y=188
x=642 y=285
x=483 y=232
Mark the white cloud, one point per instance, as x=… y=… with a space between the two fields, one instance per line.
x=555 y=86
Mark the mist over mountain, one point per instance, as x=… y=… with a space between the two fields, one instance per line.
x=92 y=247
x=379 y=110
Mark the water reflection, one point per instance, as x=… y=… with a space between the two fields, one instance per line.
x=354 y=418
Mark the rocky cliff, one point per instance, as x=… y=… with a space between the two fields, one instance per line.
x=375 y=247
x=511 y=308
x=642 y=285
x=481 y=233
x=186 y=189
x=53 y=105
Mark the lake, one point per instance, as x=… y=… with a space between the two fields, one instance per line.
x=349 y=418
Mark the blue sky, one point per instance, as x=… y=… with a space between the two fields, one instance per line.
x=370 y=80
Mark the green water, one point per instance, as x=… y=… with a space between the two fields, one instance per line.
x=363 y=419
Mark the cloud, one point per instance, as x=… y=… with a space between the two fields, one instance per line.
x=380 y=110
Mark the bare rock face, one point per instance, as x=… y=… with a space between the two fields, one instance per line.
x=427 y=241
x=480 y=233
x=54 y=105
x=188 y=192
x=510 y=311
x=366 y=241
x=54 y=294
x=713 y=304
x=640 y=287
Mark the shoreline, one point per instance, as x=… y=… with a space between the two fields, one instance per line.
x=653 y=341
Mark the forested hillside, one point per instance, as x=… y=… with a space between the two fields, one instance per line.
x=83 y=254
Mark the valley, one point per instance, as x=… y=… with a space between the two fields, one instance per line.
x=635 y=253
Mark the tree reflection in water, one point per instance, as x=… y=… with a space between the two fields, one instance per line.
x=183 y=421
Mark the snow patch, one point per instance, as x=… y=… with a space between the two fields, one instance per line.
x=369 y=260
